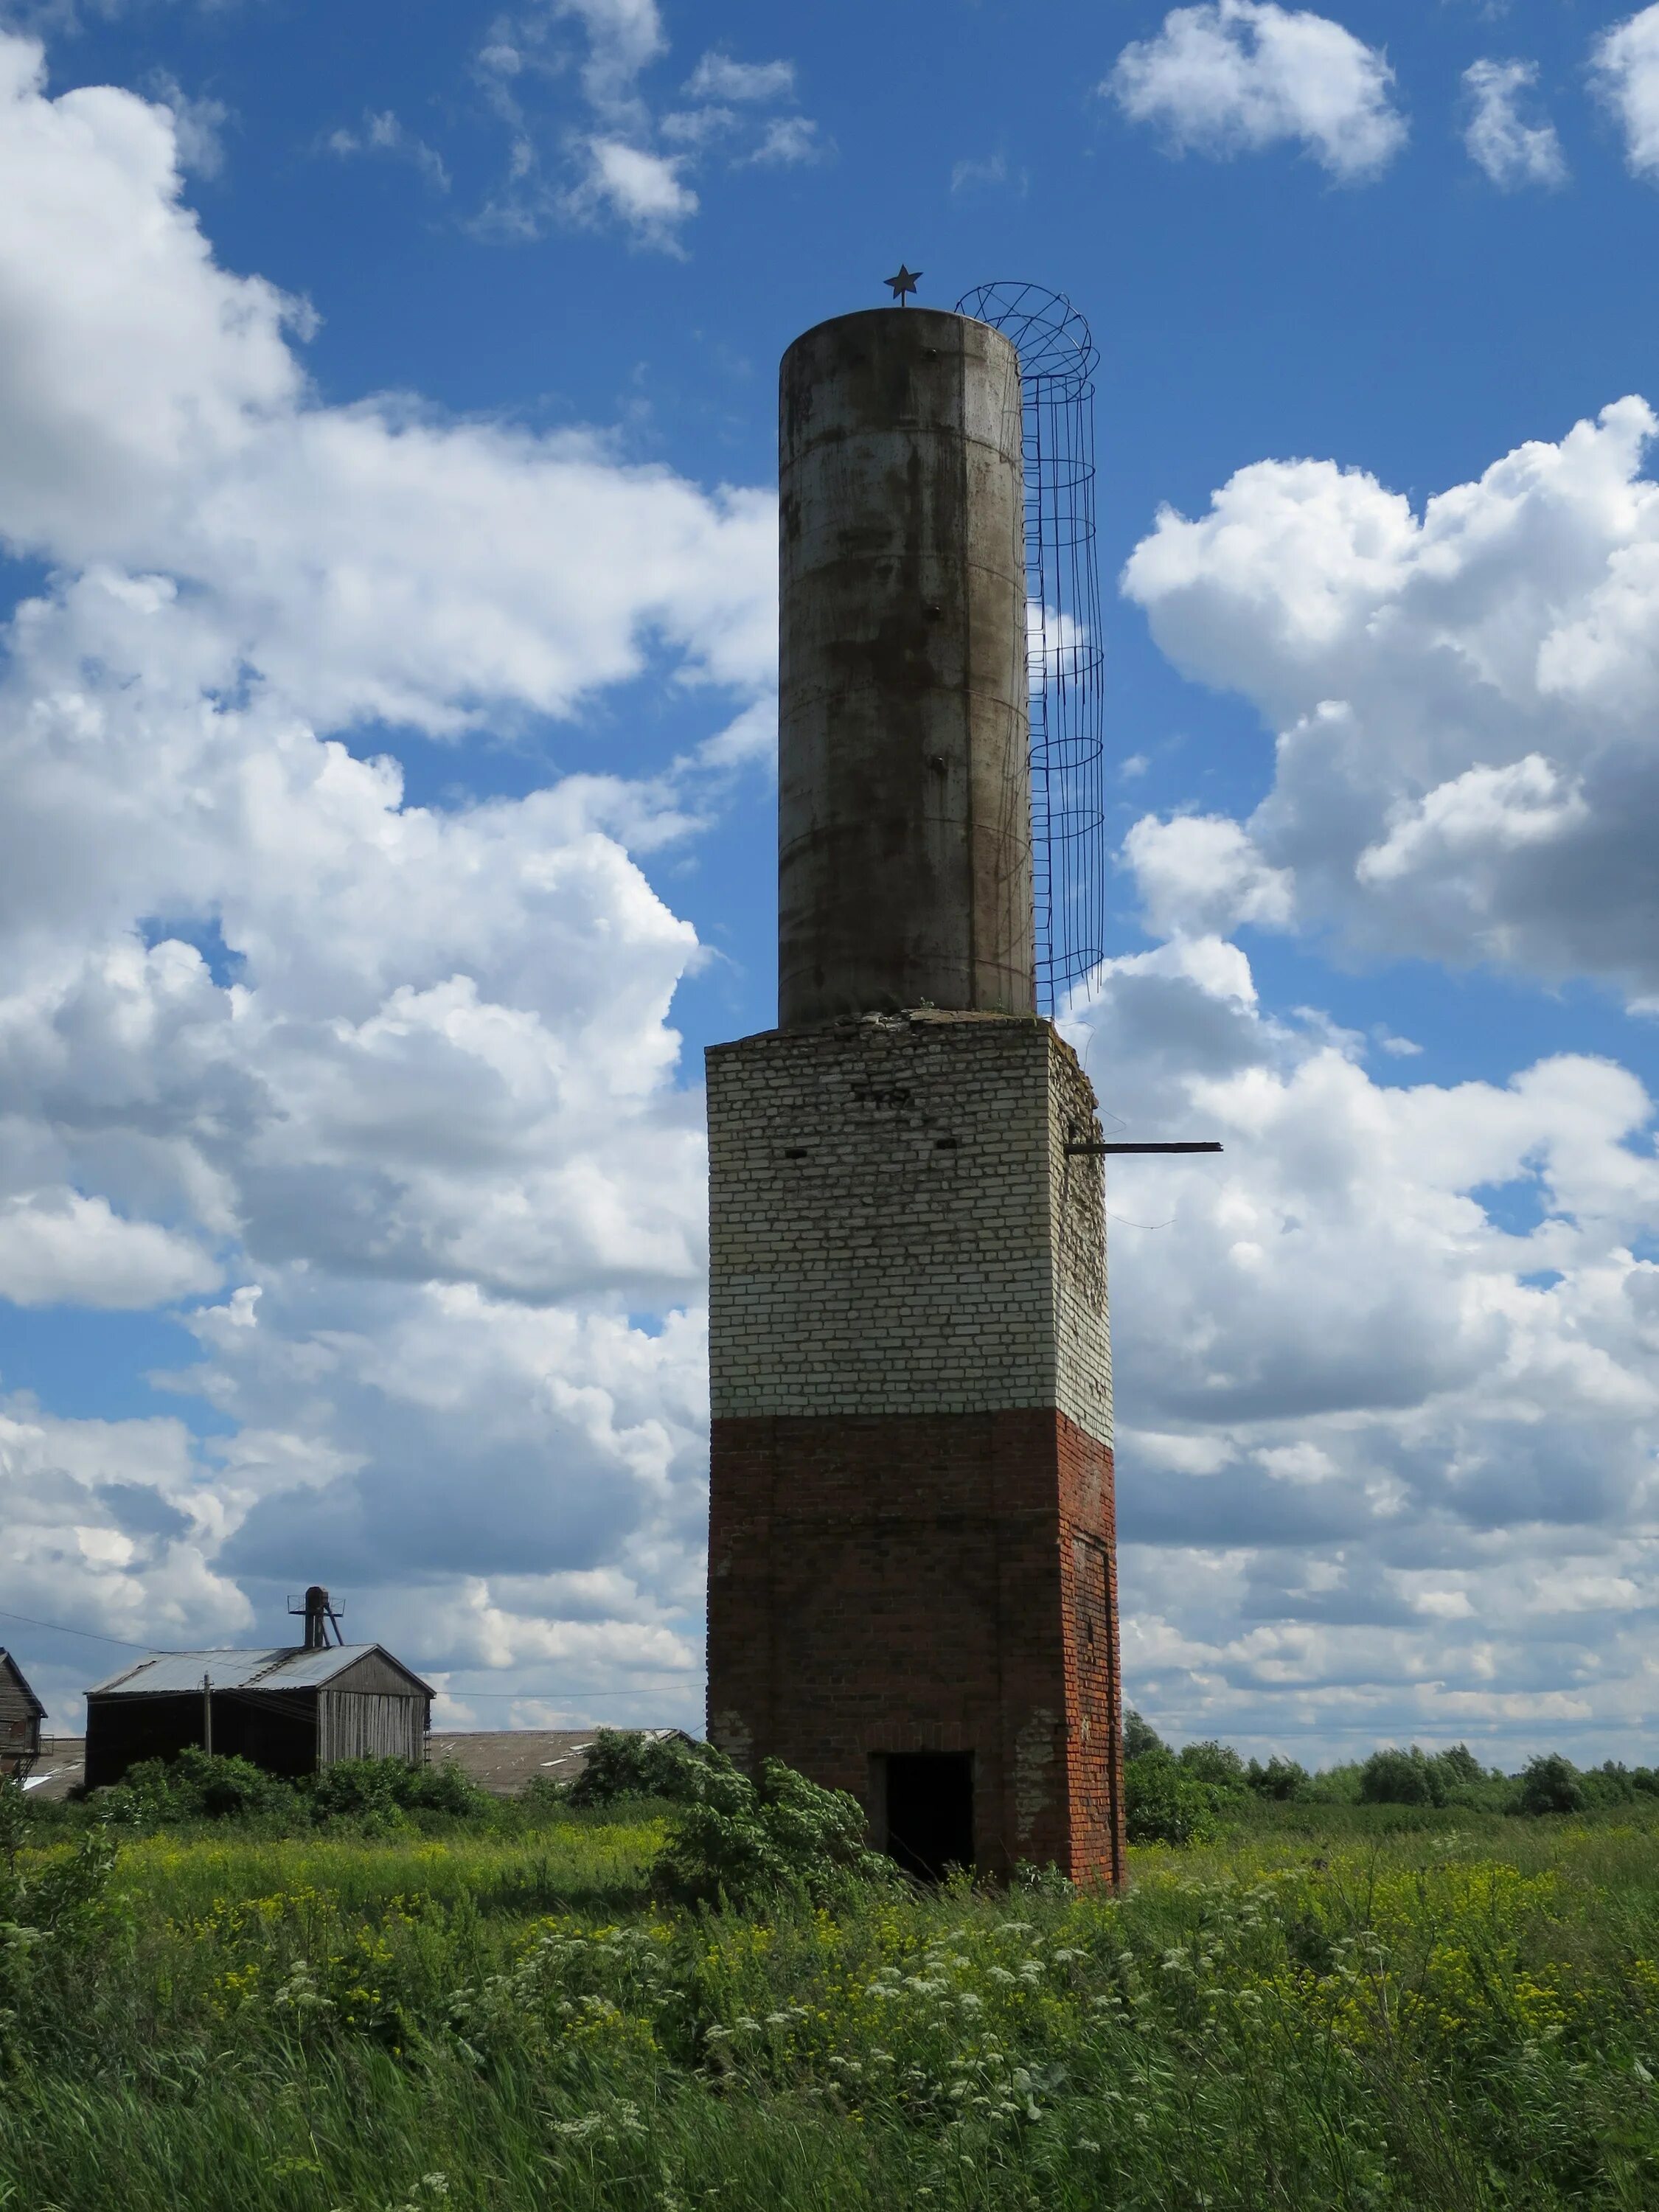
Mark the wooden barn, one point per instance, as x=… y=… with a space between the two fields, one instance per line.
x=290 y=1710
x=21 y=1715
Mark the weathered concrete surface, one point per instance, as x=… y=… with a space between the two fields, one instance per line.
x=904 y=801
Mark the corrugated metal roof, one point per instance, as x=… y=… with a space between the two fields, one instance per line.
x=280 y=1667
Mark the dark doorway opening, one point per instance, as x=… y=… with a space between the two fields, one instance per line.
x=930 y=1811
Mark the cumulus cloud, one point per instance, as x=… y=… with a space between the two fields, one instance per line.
x=627 y=164
x=1463 y=700
x=1498 y=138
x=386 y=1073
x=152 y=451
x=396 y=1087
x=1200 y=875
x=1625 y=72
x=1235 y=76
x=644 y=189
x=1374 y=1437
x=58 y=1247
x=198 y=125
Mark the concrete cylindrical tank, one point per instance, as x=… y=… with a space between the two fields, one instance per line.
x=904 y=817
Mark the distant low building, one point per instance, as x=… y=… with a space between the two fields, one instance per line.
x=290 y=1710
x=21 y=1715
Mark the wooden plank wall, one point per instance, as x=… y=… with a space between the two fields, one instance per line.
x=20 y=1730
x=354 y=1725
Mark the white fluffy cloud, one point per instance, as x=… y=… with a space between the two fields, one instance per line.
x=1625 y=69
x=626 y=164
x=60 y=1247
x=645 y=189
x=397 y=1085
x=1198 y=874
x=1464 y=700
x=1390 y=1367
x=388 y=1072
x=1381 y=1450
x=1235 y=76
x=1512 y=150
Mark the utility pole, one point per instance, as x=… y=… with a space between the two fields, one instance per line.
x=207 y=1714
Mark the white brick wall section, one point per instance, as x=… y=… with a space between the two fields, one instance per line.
x=895 y=1225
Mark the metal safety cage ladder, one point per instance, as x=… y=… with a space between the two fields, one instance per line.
x=1064 y=650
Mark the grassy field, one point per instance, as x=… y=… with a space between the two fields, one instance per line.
x=1331 y=2007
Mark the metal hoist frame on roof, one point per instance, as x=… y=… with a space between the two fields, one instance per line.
x=1064 y=653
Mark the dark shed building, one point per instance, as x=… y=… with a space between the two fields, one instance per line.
x=290 y=1710
x=21 y=1715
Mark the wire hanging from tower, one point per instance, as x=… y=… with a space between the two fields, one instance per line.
x=1064 y=650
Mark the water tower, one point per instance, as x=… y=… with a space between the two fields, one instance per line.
x=911 y=1579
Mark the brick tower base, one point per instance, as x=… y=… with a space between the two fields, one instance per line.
x=911 y=1523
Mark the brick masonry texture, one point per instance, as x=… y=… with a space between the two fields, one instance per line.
x=912 y=1525
x=925 y=1582
x=895 y=1225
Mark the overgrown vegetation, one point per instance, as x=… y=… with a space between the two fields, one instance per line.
x=740 y=1843
x=371 y=1796
x=1191 y=1796
x=1398 y=2006
x=623 y=1763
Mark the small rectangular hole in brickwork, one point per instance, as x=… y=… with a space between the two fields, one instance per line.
x=945 y=1144
x=794 y=1152
x=930 y=1811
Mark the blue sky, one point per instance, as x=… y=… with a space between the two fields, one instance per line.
x=386 y=467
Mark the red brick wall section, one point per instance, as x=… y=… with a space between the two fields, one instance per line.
x=892 y=1583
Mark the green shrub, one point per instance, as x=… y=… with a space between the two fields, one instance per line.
x=1281 y=1779
x=381 y=1791
x=1140 y=1736
x=197 y=1785
x=1392 y=1776
x=1215 y=1763
x=1164 y=1803
x=1459 y=1768
x=1550 y=1783
x=628 y=1763
x=374 y=1794
x=740 y=1843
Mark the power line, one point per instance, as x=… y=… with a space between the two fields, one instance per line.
x=62 y=1628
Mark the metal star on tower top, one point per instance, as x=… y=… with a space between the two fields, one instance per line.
x=903 y=283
